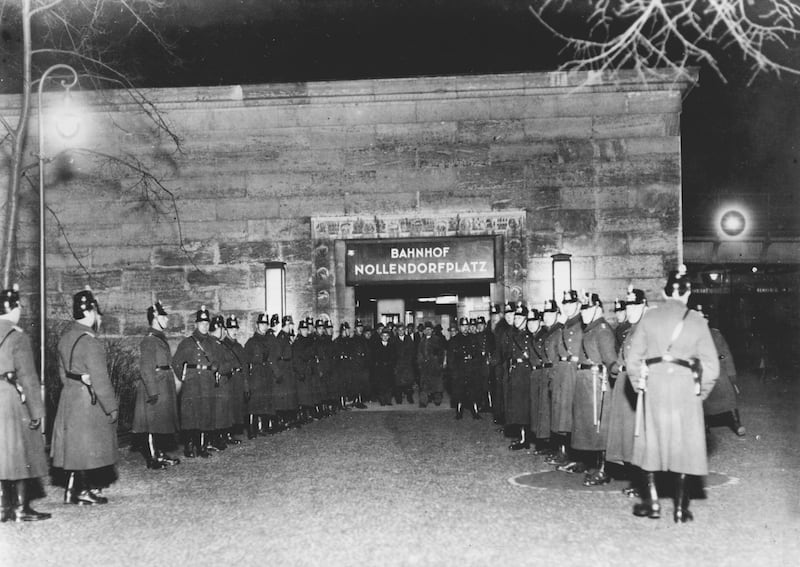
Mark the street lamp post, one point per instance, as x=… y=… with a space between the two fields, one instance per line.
x=66 y=85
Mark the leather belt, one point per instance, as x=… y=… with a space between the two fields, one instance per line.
x=11 y=378
x=537 y=366
x=670 y=359
x=584 y=366
x=166 y=367
x=547 y=365
x=568 y=359
x=198 y=367
x=227 y=374
x=73 y=376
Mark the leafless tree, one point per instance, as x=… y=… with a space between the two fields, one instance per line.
x=83 y=34
x=653 y=35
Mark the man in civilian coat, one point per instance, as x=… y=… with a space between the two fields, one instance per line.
x=156 y=409
x=384 y=361
x=675 y=365
x=430 y=360
x=22 y=453
x=502 y=325
x=85 y=429
x=405 y=374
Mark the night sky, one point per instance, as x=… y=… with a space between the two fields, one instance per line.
x=736 y=139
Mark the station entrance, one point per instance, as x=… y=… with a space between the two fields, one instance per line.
x=415 y=302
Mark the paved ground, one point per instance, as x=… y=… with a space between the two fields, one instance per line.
x=418 y=488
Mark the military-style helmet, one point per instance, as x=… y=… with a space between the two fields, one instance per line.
x=217 y=322
x=202 y=315
x=344 y=325
x=495 y=309
x=590 y=300
x=274 y=320
x=699 y=309
x=635 y=296
x=463 y=321
x=263 y=318
x=619 y=305
x=84 y=301
x=319 y=323
x=232 y=322
x=521 y=310
x=287 y=320
x=677 y=281
x=507 y=308
x=570 y=296
x=550 y=306
x=534 y=315
x=358 y=323
x=9 y=299
x=481 y=320
x=155 y=309
x=473 y=321
x=303 y=324
x=328 y=324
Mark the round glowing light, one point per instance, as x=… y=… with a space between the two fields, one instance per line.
x=733 y=223
x=754 y=269
x=68 y=124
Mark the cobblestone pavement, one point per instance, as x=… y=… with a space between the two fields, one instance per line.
x=419 y=488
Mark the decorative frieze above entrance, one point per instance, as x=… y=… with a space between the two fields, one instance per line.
x=330 y=289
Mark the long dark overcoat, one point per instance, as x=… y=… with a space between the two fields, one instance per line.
x=430 y=360
x=518 y=387
x=238 y=382
x=673 y=434
x=723 y=397
x=157 y=379
x=307 y=379
x=540 y=388
x=83 y=436
x=622 y=416
x=343 y=365
x=260 y=376
x=550 y=350
x=22 y=453
x=565 y=374
x=197 y=392
x=384 y=360
x=499 y=366
x=323 y=367
x=359 y=379
x=405 y=374
x=599 y=347
x=284 y=389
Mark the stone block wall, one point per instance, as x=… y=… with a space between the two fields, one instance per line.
x=594 y=164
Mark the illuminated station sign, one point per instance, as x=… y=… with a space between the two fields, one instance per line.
x=440 y=259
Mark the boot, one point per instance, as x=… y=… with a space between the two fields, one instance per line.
x=737 y=423
x=69 y=491
x=459 y=411
x=359 y=403
x=23 y=511
x=151 y=456
x=475 y=413
x=87 y=496
x=166 y=459
x=682 y=513
x=343 y=404
x=251 y=426
x=410 y=397
x=230 y=439
x=599 y=477
x=189 y=447
x=649 y=506
x=201 y=442
x=6 y=512
x=522 y=443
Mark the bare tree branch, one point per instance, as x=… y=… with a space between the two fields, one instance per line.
x=644 y=35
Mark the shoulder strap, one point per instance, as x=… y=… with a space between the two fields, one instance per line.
x=201 y=348
x=162 y=339
x=72 y=351
x=678 y=329
x=8 y=334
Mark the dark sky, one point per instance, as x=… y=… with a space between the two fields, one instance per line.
x=736 y=139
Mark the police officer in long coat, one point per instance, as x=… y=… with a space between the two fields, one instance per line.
x=260 y=378
x=540 y=388
x=85 y=429
x=323 y=366
x=344 y=364
x=304 y=370
x=502 y=327
x=405 y=374
x=225 y=362
x=194 y=363
x=284 y=390
x=156 y=408
x=430 y=361
x=359 y=389
x=597 y=361
x=460 y=350
x=483 y=365
x=518 y=386
x=565 y=372
x=721 y=402
x=238 y=382
x=674 y=363
x=623 y=324
x=622 y=414
x=22 y=453
x=551 y=340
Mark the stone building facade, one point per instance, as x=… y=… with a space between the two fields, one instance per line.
x=541 y=163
